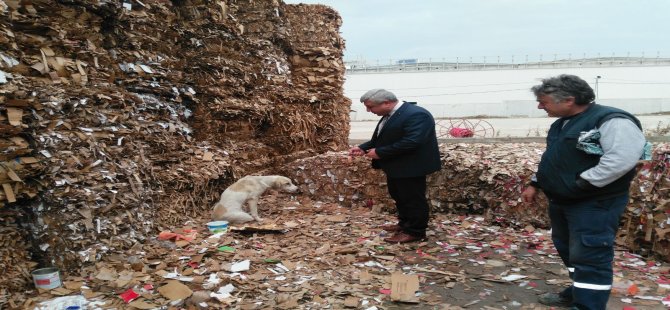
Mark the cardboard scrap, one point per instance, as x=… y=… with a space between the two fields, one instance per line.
x=142 y=304
x=175 y=291
x=9 y=193
x=404 y=287
x=256 y=228
x=15 y=115
x=351 y=302
x=208 y=156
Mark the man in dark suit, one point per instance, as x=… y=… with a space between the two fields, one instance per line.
x=404 y=146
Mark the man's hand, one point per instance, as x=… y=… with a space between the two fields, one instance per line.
x=372 y=153
x=529 y=194
x=356 y=151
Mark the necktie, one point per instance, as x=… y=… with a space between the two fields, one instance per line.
x=382 y=122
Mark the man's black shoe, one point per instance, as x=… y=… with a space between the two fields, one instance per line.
x=555 y=300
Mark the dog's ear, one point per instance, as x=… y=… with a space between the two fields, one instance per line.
x=275 y=183
x=282 y=180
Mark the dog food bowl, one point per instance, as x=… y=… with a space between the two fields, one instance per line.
x=218 y=226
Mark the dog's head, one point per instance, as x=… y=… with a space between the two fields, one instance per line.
x=284 y=184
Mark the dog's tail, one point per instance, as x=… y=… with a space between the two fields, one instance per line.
x=221 y=214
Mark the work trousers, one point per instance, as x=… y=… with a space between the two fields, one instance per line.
x=584 y=233
x=409 y=195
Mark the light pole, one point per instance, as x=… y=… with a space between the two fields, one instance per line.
x=597 y=78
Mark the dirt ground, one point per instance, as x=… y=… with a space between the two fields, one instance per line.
x=330 y=257
x=479 y=292
x=482 y=288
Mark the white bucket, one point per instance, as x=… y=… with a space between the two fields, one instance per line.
x=47 y=278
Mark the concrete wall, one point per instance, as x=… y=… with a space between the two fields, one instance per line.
x=506 y=93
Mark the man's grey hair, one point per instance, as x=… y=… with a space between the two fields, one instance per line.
x=565 y=86
x=378 y=95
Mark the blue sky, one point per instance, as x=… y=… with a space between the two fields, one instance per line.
x=399 y=29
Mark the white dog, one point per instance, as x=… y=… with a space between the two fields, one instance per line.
x=248 y=189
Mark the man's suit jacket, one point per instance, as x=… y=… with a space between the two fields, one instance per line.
x=406 y=144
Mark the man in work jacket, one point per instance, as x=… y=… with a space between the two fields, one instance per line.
x=585 y=172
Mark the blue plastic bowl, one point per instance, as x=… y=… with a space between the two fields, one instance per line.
x=218 y=226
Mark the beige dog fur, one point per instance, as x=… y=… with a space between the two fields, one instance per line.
x=247 y=190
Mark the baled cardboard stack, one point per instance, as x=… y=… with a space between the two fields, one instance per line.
x=474 y=179
x=120 y=118
x=15 y=258
x=645 y=224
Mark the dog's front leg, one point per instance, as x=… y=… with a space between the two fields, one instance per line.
x=253 y=209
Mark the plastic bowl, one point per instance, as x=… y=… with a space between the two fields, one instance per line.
x=218 y=226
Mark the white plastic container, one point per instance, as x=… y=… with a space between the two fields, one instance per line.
x=46 y=278
x=218 y=226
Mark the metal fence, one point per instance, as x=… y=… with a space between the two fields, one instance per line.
x=504 y=63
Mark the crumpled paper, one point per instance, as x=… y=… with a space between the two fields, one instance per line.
x=589 y=142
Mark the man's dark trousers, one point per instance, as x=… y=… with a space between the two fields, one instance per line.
x=410 y=199
x=583 y=233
